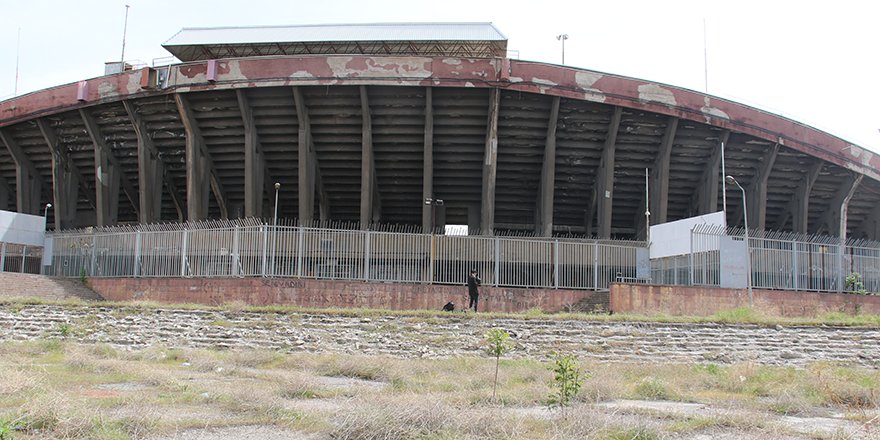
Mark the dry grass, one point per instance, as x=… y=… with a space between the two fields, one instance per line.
x=57 y=389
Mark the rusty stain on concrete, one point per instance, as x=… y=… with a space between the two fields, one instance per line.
x=709 y=111
x=656 y=93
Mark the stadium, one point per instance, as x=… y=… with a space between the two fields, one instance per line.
x=419 y=125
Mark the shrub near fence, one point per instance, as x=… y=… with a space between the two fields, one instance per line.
x=249 y=249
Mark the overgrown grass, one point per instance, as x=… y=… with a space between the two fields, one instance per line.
x=67 y=390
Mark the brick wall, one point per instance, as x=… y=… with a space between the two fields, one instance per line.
x=703 y=301
x=325 y=293
x=40 y=286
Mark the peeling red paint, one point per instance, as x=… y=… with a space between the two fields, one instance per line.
x=456 y=72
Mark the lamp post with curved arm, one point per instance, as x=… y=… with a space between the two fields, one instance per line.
x=730 y=179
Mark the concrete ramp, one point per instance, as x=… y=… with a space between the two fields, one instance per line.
x=22 y=285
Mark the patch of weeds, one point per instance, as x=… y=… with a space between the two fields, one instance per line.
x=651 y=388
x=738 y=315
x=535 y=312
x=692 y=424
x=712 y=369
x=221 y=323
x=64 y=330
x=640 y=433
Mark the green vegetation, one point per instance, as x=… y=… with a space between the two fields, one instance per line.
x=567 y=380
x=497 y=344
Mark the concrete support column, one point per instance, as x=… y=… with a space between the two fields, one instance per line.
x=490 y=166
x=371 y=211
x=108 y=176
x=707 y=195
x=306 y=159
x=544 y=211
x=254 y=161
x=659 y=193
x=28 y=183
x=605 y=177
x=66 y=180
x=428 y=163
x=757 y=193
x=830 y=221
x=151 y=173
x=197 y=169
x=4 y=194
x=801 y=200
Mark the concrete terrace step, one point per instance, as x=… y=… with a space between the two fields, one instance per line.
x=40 y=286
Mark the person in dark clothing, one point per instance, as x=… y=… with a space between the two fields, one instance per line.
x=474 y=282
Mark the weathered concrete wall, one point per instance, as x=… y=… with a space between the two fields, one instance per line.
x=325 y=293
x=445 y=335
x=702 y=301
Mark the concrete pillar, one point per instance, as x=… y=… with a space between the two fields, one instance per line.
x=544 y=211
x=707 y=193
x=4 y=194
x=65 y=180
x=490 y=166
x=28 y=183
x=149 y=169
x=197 y=168
x=370 y=201
x=830 y=221
x=659 y=189
x=756 y=194
x=801 y=200
x=428 y=163
x=108 y=175
x=306 y=159
x=605 y=177
x=254 y=161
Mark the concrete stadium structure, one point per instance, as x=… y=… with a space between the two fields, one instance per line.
x=363 y=123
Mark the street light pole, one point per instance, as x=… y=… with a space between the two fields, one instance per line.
x=746 y=224
x=46 y=216
x=562 y=38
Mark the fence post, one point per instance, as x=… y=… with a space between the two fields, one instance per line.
x=432 y=257
x=235 y=252
x=367 y=256
x=595 y=265
x=23 y=256
x=183 y=251
x=555 y=264
x=299 y=251
x=794 y=264
x=691 y=271
x=137 y=253
x=94 y=261
x=3 y=257
x=497 y=278
x=265 y=245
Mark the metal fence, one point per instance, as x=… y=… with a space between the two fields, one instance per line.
x=779 y=260
x=20 y=258
x=251 y=249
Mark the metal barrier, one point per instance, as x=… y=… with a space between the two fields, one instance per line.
x=250 y=249
x=779 y=260
x=20 y=258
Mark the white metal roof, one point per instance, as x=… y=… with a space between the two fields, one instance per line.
x=338 y=32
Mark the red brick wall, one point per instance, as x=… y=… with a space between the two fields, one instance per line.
x=703 y=301
x=323 y=293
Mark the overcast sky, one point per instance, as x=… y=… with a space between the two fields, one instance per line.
x=814 y=62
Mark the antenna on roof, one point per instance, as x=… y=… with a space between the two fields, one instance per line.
x=124 y=31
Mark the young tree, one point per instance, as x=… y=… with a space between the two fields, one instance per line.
x=567 y=380
x=497 y=344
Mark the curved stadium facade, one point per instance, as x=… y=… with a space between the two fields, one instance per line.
x=365 y=123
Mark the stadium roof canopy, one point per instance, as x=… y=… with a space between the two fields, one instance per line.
x=479 y=40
